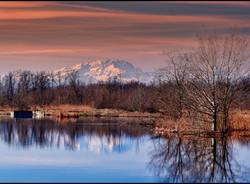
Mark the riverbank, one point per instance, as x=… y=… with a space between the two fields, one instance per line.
x=239 y=121
x=76 y=111
x=161 y=125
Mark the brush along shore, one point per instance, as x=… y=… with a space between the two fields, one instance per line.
x=75 y=111
x=163 y=126
x=239 y=121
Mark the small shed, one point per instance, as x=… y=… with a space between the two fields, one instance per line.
x=21 y=114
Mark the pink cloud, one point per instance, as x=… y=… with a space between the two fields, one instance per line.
x=30 y=51
x=27 y=4
x=26 y=14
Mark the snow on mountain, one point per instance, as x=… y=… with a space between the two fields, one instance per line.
x=97 y=71
x=104 y=70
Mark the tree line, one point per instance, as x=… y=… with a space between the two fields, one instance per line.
x=23 y=89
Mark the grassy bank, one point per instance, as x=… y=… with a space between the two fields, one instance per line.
x=75 y=111
x=163 y=126
x=239 y=121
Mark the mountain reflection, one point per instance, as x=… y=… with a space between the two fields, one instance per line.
x=172 y=159
x=99 y=135
x=195 y=159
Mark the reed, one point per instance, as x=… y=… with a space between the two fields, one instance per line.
x=239 y=120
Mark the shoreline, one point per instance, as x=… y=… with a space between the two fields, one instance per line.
x=161 y=125
x=77 y=111
x=239 y=122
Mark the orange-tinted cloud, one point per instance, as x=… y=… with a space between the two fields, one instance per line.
x=19 y=14
x=31 y=51
x=58 y=31
x=18 y=4
x=45 y=14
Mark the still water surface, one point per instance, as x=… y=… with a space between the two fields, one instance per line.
x=101 y=150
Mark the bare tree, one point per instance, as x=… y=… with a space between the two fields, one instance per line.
x=74 y=84
x=23 y=88
x=217 y=67
x=41 y=83
x=176 y=73
x=9 y=85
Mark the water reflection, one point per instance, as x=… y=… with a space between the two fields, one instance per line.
x=133 y=154
x=100 y=135
x=195 y=159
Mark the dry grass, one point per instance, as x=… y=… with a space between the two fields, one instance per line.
x=240 y=120
x=56 y=110
x=182 y=126
x=5 y=108
x=74 y=111
x=80 y=110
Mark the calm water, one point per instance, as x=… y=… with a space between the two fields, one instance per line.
x=97 y=150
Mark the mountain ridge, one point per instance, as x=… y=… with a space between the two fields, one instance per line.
x=96 y=71
x=104 y=70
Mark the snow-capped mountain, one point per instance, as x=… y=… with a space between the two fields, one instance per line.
x=104 y=70
x=96 y=71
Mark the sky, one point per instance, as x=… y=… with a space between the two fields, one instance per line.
x=50 y=35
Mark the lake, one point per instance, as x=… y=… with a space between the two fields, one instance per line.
x=112 y=150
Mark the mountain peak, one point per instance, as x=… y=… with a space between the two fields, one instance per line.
x=105 y=62
x=77 y=66
x=104 y=70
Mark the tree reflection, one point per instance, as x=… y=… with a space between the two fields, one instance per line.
x=195 y=159
x=104 y=133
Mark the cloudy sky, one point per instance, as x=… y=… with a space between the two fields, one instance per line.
x=50 y=35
